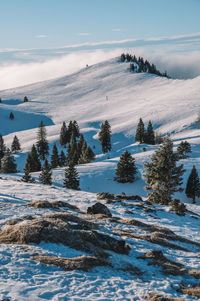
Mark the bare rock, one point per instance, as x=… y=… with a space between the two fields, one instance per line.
x=99 y=208
x=84 y=263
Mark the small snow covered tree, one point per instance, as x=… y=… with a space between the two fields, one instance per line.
x=45 y=176
x=62 y=159
x=163 y=177
x=11 y=116
x=71 y=180
x=184 y=149
x=193 y=185
x=32 y=160
x=64 y=135
x=15 y=146
x=42 y=143
x=55 y=157
x=2 y=147
x=139 y=137
x=126 y=169
x=8 y=164
x=105 y=137
x=149 y=136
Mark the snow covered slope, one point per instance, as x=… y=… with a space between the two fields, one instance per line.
x=96 y=93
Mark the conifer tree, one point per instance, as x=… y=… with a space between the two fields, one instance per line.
x=105 y=137
x=184 y=149
x=193 y=185
x=25 y=99
x=149 y=136
x=42 y=143
x=15 y=147
x=80 y=144
x=163 y=177
x=45 y=176
x=62 y=159
x=11 y=116
x=54 y=157
x=139 y=137
x=122 y=58
x=27 y=176
x=2 y=147
x=32 y=160
x=64 y=135
x=72 y=152
x=8 y=164
x=126 y=169
x=71 y=180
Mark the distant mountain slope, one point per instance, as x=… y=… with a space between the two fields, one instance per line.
x=109 y=91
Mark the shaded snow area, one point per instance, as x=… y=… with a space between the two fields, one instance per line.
x=157 y=250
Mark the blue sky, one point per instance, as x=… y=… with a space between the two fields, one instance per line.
x=54 y=23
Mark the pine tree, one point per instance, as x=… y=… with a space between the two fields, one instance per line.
x=149 y=136
x=15 y=147
x=140 y=132
x=163 y=177
x=45 y=176
x=11 y=116
x=72 y=157
x=32 y=160
x=42 y=143
x=2 y=147
x=132 y=67
x=54 y=157
x=64 y=135
x=27 y=177
x=62 y=159
x=25 y=99
x=105 y=137
x=126 y=169
x=183 y=149
x=8 y=164
x=80 y=144
x=71 y=180
x=122 y=58
x=193 y=185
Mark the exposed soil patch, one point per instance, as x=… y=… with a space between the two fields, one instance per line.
x=52 y=205
x=66 y=229
x=84 y=263
x=157 y=297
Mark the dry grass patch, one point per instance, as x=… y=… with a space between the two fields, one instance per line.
x=191 y=290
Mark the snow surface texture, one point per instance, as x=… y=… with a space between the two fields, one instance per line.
x=96 y=93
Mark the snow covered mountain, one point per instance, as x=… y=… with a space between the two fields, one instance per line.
x=106 y=91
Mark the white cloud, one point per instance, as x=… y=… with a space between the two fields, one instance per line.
x=116 y=29
x=84 y=34
x=41 y=36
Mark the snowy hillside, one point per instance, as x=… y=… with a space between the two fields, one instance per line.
x=106 y=91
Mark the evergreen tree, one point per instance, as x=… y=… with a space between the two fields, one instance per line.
x=140 y=132
x=27 y=177
x=42 y=143
x=163 y=177
x=45 y=176
x=8 y=164
x=105 y=137
x=183 y=149
x=32 y=160
x=71 y=180
x=2 y=147
x=64 y=135
x=11 y=116
x=80 y=144
x=55 y=160
x=25 y=99
x=132 y=67
x=122 y=58
x=193 y=185
x=149 y=136
x=15 y=147
x=62 y=159
x=72 y=152
x=126 y=169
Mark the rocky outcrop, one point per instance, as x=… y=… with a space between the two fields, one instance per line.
x=99 y=208
x=84 y=263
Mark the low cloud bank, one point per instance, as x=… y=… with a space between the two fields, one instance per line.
x=181 y=66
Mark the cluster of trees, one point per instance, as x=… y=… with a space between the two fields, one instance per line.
x=163 y=175
x=145 y=135
x=7 y=161
x=140 y=65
